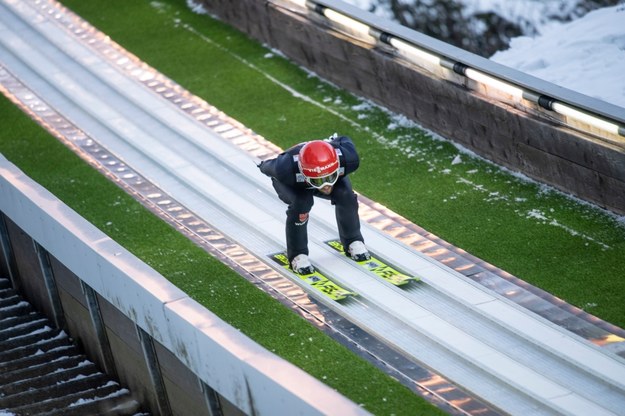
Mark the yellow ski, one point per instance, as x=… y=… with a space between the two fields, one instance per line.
x=317 y=280
x=378 y=267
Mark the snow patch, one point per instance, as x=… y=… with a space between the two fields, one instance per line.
x=197 y=8
x=545 y=219
x=586 y=55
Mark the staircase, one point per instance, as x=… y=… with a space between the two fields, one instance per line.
x=43 y=373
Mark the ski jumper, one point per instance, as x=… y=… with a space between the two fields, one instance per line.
x=293 y=189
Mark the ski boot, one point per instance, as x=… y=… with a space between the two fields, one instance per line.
x=301 y=265
x=358 y=252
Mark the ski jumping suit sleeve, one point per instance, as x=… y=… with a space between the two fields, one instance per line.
x=292 y=189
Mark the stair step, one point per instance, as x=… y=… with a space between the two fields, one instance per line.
x=39 y=359
x=5 y=284
x=49 y=379
x=9 y=300
x=18 y=320
x=39 y=370
x=5 y=292
x=43 y=345
x=21 y=308
x=22 y=329
x=70 y=400
x=42 y=372
x=122 y=405
x=77 y=385
x=29 y=339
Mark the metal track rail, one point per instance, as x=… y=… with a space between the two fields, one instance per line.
x=509 y=357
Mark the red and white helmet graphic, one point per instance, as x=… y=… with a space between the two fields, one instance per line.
x=319 y=163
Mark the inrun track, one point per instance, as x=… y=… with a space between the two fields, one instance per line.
x=142 y=126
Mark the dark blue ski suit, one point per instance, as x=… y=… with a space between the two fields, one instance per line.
x=293 y=190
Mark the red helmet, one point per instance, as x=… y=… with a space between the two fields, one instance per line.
x=319 y=163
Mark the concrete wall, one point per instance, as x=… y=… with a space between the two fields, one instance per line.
x=521 y=136
x=184 y=393
x=173 y=354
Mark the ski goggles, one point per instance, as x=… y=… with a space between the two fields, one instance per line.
x=328 y=180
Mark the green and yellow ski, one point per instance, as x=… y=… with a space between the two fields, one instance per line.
x=378 y=267
x=317 y=280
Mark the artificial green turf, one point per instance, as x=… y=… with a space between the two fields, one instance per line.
x=205 y=279
x=566 y=248
x=569 y=249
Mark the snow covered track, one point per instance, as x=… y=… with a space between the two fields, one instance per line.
x=505 y=355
